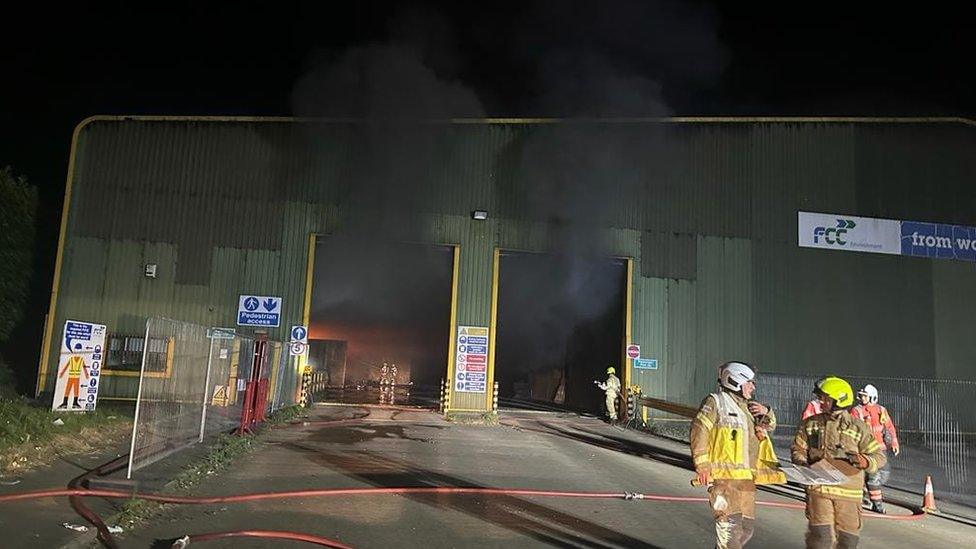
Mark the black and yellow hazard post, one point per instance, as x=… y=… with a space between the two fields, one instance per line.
x=306 y=381
x=440 y=405
x=635 y=419
x=494 y=399
x=447 y=398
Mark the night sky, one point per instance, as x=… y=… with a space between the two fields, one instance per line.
x=63 y=63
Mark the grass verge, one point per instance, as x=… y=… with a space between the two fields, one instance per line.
x=31 y=435
x=464 y=418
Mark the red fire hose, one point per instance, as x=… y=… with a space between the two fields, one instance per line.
x=74 y=493
x=403 y=490
x=270 y=534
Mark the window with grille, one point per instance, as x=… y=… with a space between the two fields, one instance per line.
x=125 y=354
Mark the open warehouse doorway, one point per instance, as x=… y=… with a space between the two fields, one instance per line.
x=560 y=323
x=380 y=320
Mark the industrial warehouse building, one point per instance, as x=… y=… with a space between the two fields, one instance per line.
x=678 y=235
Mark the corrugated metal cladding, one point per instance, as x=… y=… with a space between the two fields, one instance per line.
x=707 y=211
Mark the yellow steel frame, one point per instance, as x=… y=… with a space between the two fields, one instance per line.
x=42 y=368
x=452 y=337
x=626 y=363
x=492 y=327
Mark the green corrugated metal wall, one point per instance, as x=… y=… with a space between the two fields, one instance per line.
x=225 y=207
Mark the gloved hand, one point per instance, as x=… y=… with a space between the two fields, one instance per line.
x=801 y=461
x=859 y=461
x=896 y=450
x=757 y=409
x=704 y=476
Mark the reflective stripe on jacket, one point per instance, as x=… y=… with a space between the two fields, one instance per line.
x=833 y=436
x=878 y=419
x=723 y=437
x=75 y=365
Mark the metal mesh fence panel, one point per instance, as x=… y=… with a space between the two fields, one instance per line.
x=192 y=384
x=935 y=419
x=171 y=390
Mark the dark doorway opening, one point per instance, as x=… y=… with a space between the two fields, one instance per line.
x=560 y=324
x=380 y=318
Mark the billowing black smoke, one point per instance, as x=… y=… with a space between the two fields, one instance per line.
x=584 y=61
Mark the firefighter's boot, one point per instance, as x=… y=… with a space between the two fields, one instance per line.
x=846 y=540
x=748 y=527
x=820 y=536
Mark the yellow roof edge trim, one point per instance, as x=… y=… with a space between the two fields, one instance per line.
x=517 y=120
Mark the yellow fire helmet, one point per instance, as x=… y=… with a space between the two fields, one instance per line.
x=839 y=390
x=611 y=370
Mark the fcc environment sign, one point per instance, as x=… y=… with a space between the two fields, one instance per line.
x=259 y=310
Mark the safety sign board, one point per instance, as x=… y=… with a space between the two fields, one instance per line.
x=219 y=395
x=297 y=348
x=221 y=333
x=645 y=363
x=79 y=367
x=299 y=333
x=471 y=368
x=259 y=310
x=299 y=340
x=633 y=351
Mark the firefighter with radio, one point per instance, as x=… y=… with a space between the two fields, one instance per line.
x=732 y=453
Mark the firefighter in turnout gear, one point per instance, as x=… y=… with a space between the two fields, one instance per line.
x=878 y=419
x=733 y=452
x=813 y=407
x=848 y=444
x=612 y=388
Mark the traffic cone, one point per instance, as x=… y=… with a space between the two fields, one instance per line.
x=928 y=500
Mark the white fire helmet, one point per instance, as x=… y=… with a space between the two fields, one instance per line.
x=871 y=391
x=732 y=375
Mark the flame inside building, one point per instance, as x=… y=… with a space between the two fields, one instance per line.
x=379 y=303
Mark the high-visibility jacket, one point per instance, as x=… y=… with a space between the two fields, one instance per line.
x=724 y=439
x=75 y=366
x=813 y=408
x=878 y=419
x=832 y=436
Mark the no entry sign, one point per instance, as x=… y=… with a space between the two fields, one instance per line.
x=633 y=351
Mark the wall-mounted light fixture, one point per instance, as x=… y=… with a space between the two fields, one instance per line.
x=150 y=270
x=480 y=215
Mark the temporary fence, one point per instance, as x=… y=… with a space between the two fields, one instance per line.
x=211 y=381
x=935 y=421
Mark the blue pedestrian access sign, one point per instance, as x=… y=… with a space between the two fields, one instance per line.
x=645 y=363
x=259 y=310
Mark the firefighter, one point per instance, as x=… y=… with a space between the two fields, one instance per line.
x=813 y=407
x=612 y=388
x=848 y=444
x=878 y=419
x=733 y=452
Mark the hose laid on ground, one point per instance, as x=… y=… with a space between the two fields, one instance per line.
x=264 y=534
x=75 y=494
x=83 y=511
x=403 y=490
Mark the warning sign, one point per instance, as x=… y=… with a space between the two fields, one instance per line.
x=471 y=368
x=79 y=368
x=219 y=395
